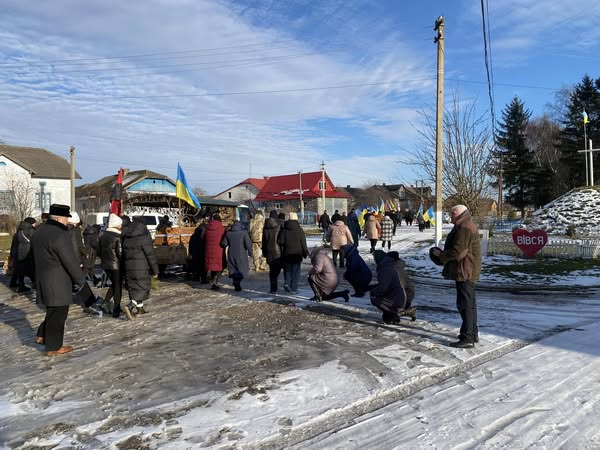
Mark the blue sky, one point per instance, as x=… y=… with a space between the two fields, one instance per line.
x=232 y=89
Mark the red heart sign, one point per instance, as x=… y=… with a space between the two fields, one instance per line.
x=529 y=242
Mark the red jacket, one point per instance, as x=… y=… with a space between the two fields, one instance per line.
x=213 y=252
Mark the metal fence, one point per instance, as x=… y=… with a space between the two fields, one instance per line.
x=556 y=247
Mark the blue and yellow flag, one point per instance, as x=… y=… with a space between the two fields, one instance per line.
x=429 y=216
x=585 y=117
x=361 y=218
x=183 y=190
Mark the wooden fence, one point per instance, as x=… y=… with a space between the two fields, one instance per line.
x=556 y=247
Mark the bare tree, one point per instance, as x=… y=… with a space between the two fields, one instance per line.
x=543 y=138
x=199 y=192
x=466 y=153
x=23 y=195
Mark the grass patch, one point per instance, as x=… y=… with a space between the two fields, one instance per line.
x=4 y=247
x=543 y=266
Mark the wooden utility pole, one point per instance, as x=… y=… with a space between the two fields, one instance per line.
x=301 y=201
x=72 y=152
x=439 y=129
x=323 y=183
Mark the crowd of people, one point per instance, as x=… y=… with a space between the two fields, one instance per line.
x=60 y=260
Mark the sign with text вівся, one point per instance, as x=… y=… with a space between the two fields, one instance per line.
x=530 y=242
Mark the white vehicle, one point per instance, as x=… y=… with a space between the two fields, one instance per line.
x=151 y=221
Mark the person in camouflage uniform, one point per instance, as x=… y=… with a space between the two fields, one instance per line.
x=257 y=224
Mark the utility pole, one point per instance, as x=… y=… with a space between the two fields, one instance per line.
x=439 y=129
x=301 y=201
x=323 y=183
x=72 y=152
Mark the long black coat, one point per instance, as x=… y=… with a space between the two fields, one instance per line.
x=239 y=245
x=196 y=249
x=139 y=261
x=293 y=242
x=56 y=265
x=24 y=258
x=91 y=241
x=270 y=247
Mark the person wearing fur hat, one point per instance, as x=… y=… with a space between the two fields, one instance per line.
x=323 y=277
x=56 y=271
x=461 y=258
x=111 y=250
x=388 y=295
x=294 y=249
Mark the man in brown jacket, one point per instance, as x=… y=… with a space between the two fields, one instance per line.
x=461 y=258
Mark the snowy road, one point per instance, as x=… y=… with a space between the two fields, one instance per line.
x=222 y=369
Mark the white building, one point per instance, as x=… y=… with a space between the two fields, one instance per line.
x=31 y=179
x=244 y=192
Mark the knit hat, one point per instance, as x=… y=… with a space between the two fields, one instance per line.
x=114 y=221
x=74 y=219
x=293 y=216
x=378 y=255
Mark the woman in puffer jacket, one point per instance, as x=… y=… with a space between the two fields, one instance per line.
x=323 y=277
x=140 y=265
x=373 y=231
x=338 y=235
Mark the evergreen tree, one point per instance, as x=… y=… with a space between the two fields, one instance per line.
x=584 y=97
x=518 y=161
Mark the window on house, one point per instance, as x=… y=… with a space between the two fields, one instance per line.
x=278 y=205
x=229 y=195
x=322 y=185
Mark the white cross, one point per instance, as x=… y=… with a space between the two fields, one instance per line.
x=591 y=151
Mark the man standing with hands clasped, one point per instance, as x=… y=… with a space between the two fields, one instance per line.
x=57 y=270
x=461 y=258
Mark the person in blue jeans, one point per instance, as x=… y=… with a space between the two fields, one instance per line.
x=293 y=249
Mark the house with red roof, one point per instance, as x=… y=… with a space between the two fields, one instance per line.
x=309 y=192
x=244 y=192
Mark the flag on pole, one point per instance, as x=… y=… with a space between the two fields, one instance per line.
x=420 y=209
x=183 y=191
x=116 y=195
x=585 y=117
x=429 y=216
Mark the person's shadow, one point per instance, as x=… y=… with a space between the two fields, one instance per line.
x=17 y=319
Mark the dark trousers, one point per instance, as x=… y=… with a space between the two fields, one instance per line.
x=334 y=254
x=115 y=291
x=389 y=243
x=292 y=273
x=275 y=267
x=467 y=307
x=373 y=244
x=52 y=329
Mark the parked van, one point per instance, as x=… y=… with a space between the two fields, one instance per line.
x=151 y=221
x=97 y=218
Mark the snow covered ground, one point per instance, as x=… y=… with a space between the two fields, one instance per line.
x=223 y=369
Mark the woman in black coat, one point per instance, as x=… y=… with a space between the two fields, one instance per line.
x=196 y=248
x=140 y=264
x=271 y=248
x=239 y=245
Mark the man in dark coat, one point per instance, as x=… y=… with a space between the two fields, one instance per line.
x=357 y=272
x=354 y=226
x=324 y=223
x=91 y=240
x=196 y=248
x=23 y=257
x=388 y=295
x=57 y=271
x=240 y=247
x=271 y=249
x=294 y=250
x=140 y=265
x=461 y=258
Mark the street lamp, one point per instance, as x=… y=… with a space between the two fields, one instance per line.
x=42 y=196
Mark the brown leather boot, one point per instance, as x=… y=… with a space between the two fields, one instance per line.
x=61 y=351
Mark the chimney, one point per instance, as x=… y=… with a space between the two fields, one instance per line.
x=384 y=184
x=125 y=171
x=347 y=186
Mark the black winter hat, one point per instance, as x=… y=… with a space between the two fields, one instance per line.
x=434 y=258
x=60 y=210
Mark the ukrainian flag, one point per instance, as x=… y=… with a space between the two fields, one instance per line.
x=183 y=190
x=429 y=216
x=585 y=118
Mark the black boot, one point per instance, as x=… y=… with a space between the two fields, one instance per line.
x=237 y=284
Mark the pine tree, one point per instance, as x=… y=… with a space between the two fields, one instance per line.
x=585 y=97
x=518 y=161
